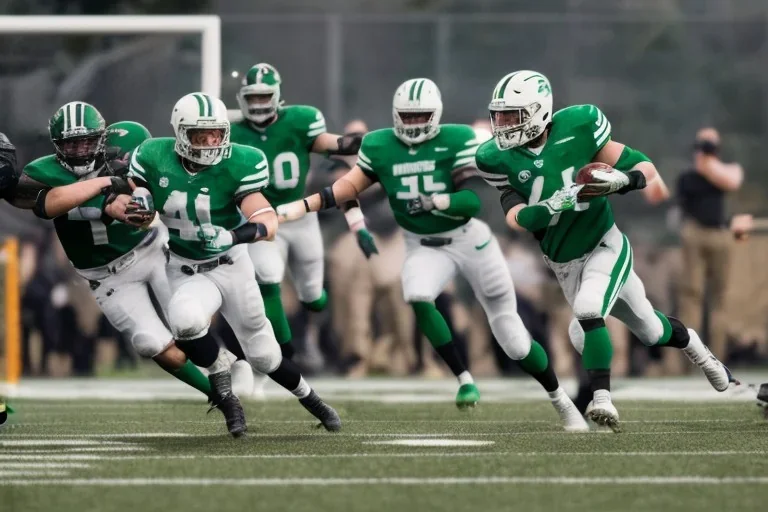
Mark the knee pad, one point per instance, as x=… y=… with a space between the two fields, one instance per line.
x=147 y=345
x=263 y=353
x=512 y=336
x=587 y=308
x=576 y=334
x=495 y=282
x=187 y=319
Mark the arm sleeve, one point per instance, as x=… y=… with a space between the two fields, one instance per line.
x=252 y=176
x=28 y=194
x=534 y=217
x=510 y=198
x=600 y=127
x=315 y=127
x=629 y=159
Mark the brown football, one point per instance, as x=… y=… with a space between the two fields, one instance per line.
x=584 y=177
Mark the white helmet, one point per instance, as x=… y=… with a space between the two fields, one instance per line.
x=521 y=108
x=414 y=97
x=200 y=111
x=261 y=79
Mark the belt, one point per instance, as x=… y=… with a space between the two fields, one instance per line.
x=126 y=259
x=191 y=270
x=436 y=241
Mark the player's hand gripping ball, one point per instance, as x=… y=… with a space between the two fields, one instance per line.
x=599 y=179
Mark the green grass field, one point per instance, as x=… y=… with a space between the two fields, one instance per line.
x=101 y=455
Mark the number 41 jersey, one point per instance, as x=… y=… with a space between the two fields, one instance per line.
x=427 y=168
x=578 y=133
x=193 y=205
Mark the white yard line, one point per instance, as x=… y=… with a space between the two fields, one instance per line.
x=6 y=474
x=44 y=465
x=54 y=457
x=55 y=436
x=281 y=482
x=54 y=442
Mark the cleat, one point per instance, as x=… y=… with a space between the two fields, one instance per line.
x=224 y=400
x=329 y=418
x=717 y=374
x=468 y=396
x=602 y=411
x=569 y=414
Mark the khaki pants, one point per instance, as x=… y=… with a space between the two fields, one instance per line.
x=706 y=266
x=357 y=286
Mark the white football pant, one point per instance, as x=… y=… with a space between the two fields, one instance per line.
x=231 y=288
x=121 y=290
x=475 y=253
x=300 y=245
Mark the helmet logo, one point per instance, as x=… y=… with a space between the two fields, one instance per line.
x=544 y=87
x=524 y=176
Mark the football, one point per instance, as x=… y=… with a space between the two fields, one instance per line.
x=584 y=177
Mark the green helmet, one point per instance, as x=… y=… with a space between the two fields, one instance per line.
x=261 y=80
x=78 y=133
x=126 y=136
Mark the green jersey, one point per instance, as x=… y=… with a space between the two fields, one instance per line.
x=427 y=168
x=577 y=134
x=287 y=143
x=87 y=240
x=194 y=205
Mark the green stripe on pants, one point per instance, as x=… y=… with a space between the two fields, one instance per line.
x=619 y=275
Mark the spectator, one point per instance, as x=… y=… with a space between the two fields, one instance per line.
x=707 y=241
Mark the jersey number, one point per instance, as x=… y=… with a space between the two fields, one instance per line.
x=286 y=178
x=412 y=183
x=538 y=186
x=98 y=228
x=175 y=216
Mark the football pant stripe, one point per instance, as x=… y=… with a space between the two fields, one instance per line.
x=617 y=273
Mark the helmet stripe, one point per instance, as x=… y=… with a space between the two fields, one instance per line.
x=504 y=86
x=78 y=115
x=411 y=91
x=210 y=105
x=418 y=92
x=200 y=104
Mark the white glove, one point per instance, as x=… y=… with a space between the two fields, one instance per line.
x=610 y=182
x=291 y=211
x=220 y=241
x=562 y=200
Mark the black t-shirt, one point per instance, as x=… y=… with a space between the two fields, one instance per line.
x=8 y=173
x=700 y=200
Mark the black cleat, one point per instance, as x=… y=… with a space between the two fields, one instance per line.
x=328 y=417
x=224 y=400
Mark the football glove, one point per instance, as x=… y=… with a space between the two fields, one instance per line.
x=366 y=243
x=291 y=211
x=421 y=204
x=220 y=240
x=609 y=182
x=562 y=200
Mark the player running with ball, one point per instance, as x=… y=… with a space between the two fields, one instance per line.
x=533 y=160
x=422 y=165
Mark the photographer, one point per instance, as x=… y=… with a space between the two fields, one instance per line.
x=706 y=238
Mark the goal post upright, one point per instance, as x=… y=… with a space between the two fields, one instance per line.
x=208 y=26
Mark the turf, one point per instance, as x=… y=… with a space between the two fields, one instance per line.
x=671 y=456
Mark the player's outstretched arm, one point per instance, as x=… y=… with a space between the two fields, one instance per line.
x=332 y=144
x=262 y=220
x=343 y=190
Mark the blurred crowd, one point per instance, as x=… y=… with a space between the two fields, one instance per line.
x=707 y=277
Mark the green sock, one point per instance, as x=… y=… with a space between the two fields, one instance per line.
x=274 y=309
x=667 y=335
x=190 y=374
x=536 y=361
x=317 y=305
x=598 y=350
x=431 y=323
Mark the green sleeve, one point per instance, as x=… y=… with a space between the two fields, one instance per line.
x=314 y=126
x=534 y=217
x=464 y=203
x=600 y=127
x=141 y=164
x=250 y=171
x=364 y=161
x=466 y=147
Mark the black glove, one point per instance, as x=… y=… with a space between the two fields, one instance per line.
x=117 y=160
x=119 y=186
x=636 y=182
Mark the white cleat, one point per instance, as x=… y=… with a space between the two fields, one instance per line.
x=715 y=371
x=242 y=379
x=572 y=419
x=602 y=411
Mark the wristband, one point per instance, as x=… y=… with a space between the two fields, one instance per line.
x=355 y=219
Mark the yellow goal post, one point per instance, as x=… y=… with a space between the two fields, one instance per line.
x=10 y=349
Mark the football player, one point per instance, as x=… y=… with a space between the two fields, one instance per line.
x=117 y=259
x=287 y=134
x=423 y=165
x=533 y=159
x=202 y=186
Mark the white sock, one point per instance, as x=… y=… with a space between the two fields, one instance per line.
x=465 y=378
x=302 y=390
x=554 y=395
x=223 y=362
